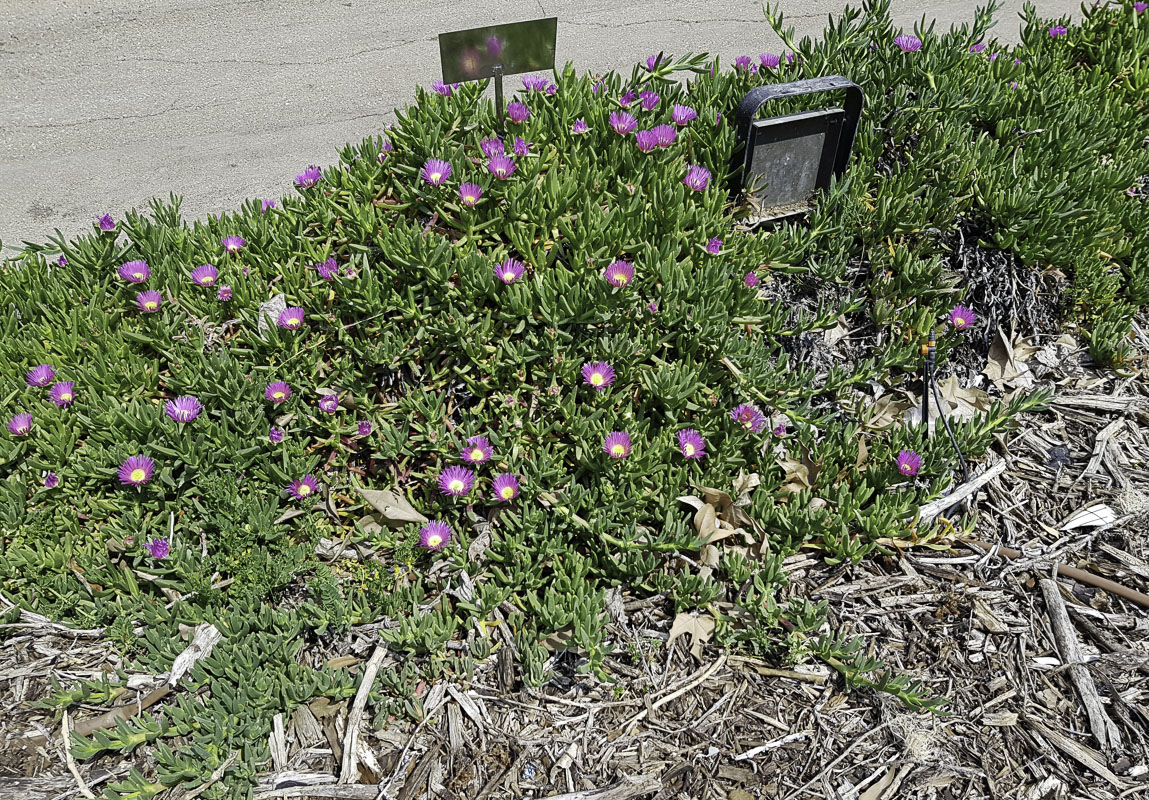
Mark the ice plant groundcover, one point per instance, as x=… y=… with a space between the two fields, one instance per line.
x=513 y=373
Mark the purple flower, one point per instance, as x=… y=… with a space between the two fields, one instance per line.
x=233 y=244
x=714 y=246
x=1016 y=62
x=749 y=418
x=493 y=147
x=20 y=424
x=682 y=115
x=137 y=470
x=442 y=88
x=40 y=375
x=456 y=481
x=266 y=205
x=149 y=301
x=509 y=271
x=907 y=43
x=664 y=135
x=224 y=293
x=365 y=427
x=579 y=126
x=506 y=487
x=649 y=100
x=626 y=100
x=691 y=444
x=184 y=408
x=750 y=279
x=291 y=318
x=600 y=375
x=534 y=83
x=434 y=536
x=521 y=147
x=962 y=317
x=51 y=480
x=622 y=122
x=616 y=444
x=518 y=112
x=304 y=487
x=697 y=178
x=106 y=222
x=436 y=171
x=619 y=273
x=277 y=392
x=469 y=194
x=993 y=56
x=1057 y=30
x=977 y=48
x=770 y=60
x=646 y=140
x=780 y=430
x=596 y=86
x=63 y=393
x=478 y=450
x=742 y=63
x=328 y=269
x=1013 y=84
x=652 y=307
x=1140 y=7
x=204 y=275
x=275 y=435
x=652 y=63
x=502 y=167
x=62 y=260
x=329 y=403
x=159 y=547
x=789 y=58
x=909 y=462
x=134 y=271
x=309 y=177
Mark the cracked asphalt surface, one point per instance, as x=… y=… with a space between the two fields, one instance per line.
x=105 y=105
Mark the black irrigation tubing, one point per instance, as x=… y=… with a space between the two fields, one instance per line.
x=930 y=384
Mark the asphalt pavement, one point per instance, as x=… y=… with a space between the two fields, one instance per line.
x=105 y=105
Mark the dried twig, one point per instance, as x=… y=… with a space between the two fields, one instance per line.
x=351 y=740
x=215 y=776
x=66 y=735
x=641 y=715
x=623 y=790
x=1104 y=730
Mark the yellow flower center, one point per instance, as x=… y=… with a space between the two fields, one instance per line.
x=150 y=304
x=507 y=492
x=596 y=379
x=688 y=449
x=436 y=175
x=477 y=454
x=508 y=276
x=208 y=281
x=617 y=450
x=620 y=279
x=456 y=485
x=304 y=489
x=434 y=540
x=278 y=395
x=66 y=396
x=138 y=475
x=959 y=321
x=139 y=275
x=293 y=320
x=470 y=198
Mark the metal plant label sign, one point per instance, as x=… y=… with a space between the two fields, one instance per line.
x=517 y=47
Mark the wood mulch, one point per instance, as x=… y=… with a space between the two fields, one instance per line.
x=1047 y=677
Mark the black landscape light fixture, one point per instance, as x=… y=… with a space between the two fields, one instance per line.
x=788 y=158
x=497 y=50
